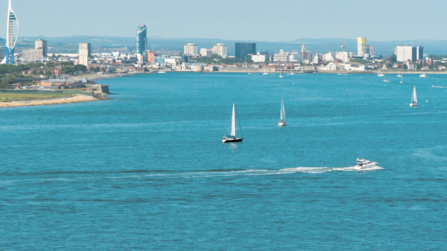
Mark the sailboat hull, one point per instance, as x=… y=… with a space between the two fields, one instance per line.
x=413 y=105
x=283 y=123
x=231 y=140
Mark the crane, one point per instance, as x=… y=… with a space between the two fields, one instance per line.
x=344 y=42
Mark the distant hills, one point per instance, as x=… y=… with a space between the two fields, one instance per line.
x=321 y=45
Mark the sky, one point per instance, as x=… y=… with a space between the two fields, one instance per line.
x=245 y=20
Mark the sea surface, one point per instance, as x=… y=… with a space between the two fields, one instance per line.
x=147 y=168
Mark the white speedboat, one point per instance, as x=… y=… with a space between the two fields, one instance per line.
x=386 y=81
x=161 y=72
x=363 y=163
x=423 y=75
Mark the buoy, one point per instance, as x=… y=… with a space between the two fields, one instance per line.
x=427 y=101
x=293 y=83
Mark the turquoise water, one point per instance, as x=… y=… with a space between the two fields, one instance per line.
x=151 y=172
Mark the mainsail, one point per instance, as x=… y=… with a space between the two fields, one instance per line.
x=283 y=111
x=414 y=98
x=233 y=122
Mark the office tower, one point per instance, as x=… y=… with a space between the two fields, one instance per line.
x=244 y=49
x=220 y=49
x=205 y=52
x=191 y=49
x=12 y=26
x=411 y=53
x=42 y=45
x=361 y=46
x=141 y=39
x=85 y=52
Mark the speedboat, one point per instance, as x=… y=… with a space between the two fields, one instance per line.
x=386 y=81
x=363 y=163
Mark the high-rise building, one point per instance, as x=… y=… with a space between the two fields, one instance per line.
x=244 y=49
x=281 y=56
x=151 y=56
x=42 y=44
x=141 y=39
x=411 y=53
x=221 y=50
x=12 y=35
x=85 y=52
x=361 y=46
x=191 y=49
x=205 y=52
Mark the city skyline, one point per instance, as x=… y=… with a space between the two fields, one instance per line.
x=364 y=20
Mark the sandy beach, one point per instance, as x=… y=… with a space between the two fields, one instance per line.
x=75 y=99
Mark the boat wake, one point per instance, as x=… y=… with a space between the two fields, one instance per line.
x=434 y=86
x=247 y=172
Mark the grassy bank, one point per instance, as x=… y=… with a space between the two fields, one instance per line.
x=30 y=96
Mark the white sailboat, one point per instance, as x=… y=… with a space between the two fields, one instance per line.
x=402 y=79
x=265 y=73
x=414 y=98
x=380 y=73
x=423 y=75
x=280 y=74
x=231 y=137
x=282 y=116
x=398 y=74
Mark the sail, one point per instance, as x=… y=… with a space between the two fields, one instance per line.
x=233 y=122
x=283 y=111
x=414 y=98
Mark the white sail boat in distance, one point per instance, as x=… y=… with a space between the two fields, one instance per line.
x=414 y=98
x=398 y=74
x=231 y=137
x=282 y=116
x=380 y=73
x=280 y=74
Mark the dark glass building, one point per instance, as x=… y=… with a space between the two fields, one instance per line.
x=244 y=49
x=141 y=38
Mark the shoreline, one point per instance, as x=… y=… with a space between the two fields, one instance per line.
x=75 y=99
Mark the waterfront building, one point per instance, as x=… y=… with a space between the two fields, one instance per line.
x=281 y=56
x=205 y=52
x=242 y=50
x=191 y=49
x=410 y=53
x=220 y=49
x=141 y=39
x=39 y=52
x=316 y=60
x=85 y=52
x=12 y=35
x=258 y=58
x=361 y=46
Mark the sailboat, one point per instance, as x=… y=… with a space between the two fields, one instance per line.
x=380 y=73
x=402 y=79
x=282 y=116
x=423 y=75
x=265 y=73
x=414 y=98
x=398 y=74
x=231 y=137
x=280 y=74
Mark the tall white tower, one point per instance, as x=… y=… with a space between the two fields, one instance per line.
x=12 y=35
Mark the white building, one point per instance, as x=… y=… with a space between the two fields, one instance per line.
x=329 y=67
x=409 y=53
x=220 y=49
x=258 y=58
x=316 y=60
x=328 y=57
x=85 y=52
x=296 y=56
x=281 y=56
x=342 y=55
x=204 y=52
x=191 y=49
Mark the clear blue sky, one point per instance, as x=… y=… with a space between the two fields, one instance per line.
x=260 y=20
